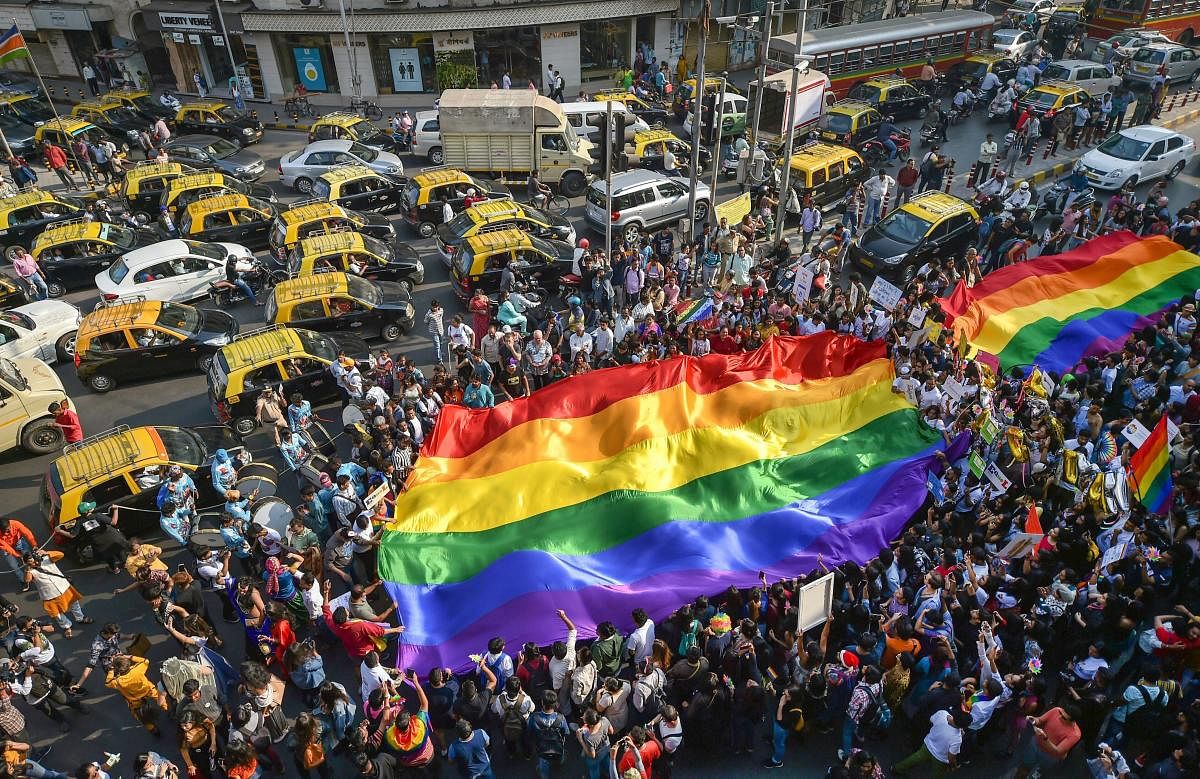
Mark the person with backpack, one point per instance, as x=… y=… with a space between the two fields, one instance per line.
x=788 y=718
x=649 y=692
x=595 y=736
x=548 y=732
x=865 y=707
x=500 y=663
x=513 y=707
x=667 y=728
x=533 y=669
x=612 y=700
x=1143 y=711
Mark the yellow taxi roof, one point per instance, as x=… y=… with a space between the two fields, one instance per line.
x=206 y=205
x=29 y=198
x=1055 y=86
x=435 y=178
x=66 y=124
x=654 y=135
x=310 y=211
x=147 y=169
x=125 y=93
x=340 y=118
x=303 y=288
x=204 y=105
x=492 y=209
x=193 y=180
x=818 y=153
x=257 y=347
x=989 y=56
x=342 y=241
x=851 y=107
x=102 y=455
x=72 y=230
x=935 y=206
x=886 y=81
x=11 y=98
x=499 y=240
x=343 y=173
x=138 y=313
x=99 y=104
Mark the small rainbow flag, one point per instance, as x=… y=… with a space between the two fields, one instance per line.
x=1150 y=470
x=688 y=311
x=12 y=45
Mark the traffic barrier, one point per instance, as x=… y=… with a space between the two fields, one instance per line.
x=859 y=218
x=884 y=207
x=1174 y=97
x=1051 y=148
x=971 y=174
x=949 y=177
x=276 y=117
x=1029 y=153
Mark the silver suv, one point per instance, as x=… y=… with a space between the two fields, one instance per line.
x=1130 y=40
x=1180 y=62
x=643 y=200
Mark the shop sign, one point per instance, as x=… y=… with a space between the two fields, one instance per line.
x=218 y=40
x=549 y=34
x=178 y=21
x=338 y=42
x=61 y=19
x=406 y=70
x=194 y=39
x=454 y=40
x=310 y=68
x=177 y=37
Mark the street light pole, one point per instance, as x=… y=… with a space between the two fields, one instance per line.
x=780 y=212
x=350 y=52
x=716 y=158
x=608 y=129
x=765 y=38
x=228 y=47
x=697 y=105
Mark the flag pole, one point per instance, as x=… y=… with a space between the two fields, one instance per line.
x=50 y=101
x=7 y=149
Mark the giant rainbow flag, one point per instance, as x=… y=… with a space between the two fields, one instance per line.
x=1054 y=311
x=648 y=485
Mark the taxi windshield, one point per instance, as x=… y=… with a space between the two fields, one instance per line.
x=1043 y=99
x=366 y=130
x=228 y=114
x=463 y=263
x=904 y=228
x=865 y=92
x=318 y=345
x=145 y=102
x=11 y=375
x=182 y=446
x=183 y=319
x=460 y=225
x=837 y=123
x=364 y=290
x=119 y=236
x=968 y=69
x=123 y=114
x=376 y=247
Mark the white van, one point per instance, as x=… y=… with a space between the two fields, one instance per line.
x=1083 y=74
x=586 y=118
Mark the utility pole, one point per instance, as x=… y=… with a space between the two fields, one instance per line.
x=697 y=105
x=608 y=128
x=228 y=48
x=780 y=208
x=765 y=38
x=716 y=158
x=356 y=84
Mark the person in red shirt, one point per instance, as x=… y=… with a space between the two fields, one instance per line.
x=15 y=540
x=647 y=747
x=357 y=635
x=67 y=421
x=56 y=160
x=1055 y=734
x=724 y=343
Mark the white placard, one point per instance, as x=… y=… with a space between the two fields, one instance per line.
x=193 y=39
x=997 y=477
x=1135 y=433
x=1020 y=545
x=802 y=284
x=954 y=388
x=917 y=317
x=814 y=602
x=1114 y=554
x=885 y=293
x=376 y=497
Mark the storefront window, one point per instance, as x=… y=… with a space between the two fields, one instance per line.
x=403 y=63
x=307 y=60
x=603 y=47
x=517 y=50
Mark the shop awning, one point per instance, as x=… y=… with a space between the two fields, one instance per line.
x=474 y=19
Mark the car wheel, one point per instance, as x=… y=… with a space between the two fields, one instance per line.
x=436 y=155
x=65 y=348
x=701 y=212
x=244 y=425
x=11 y=252
x=204 y=363
x=55 y=289
x=391 y=332
x=1187 y=36
x=907 y=274
x=101 y=383
x=1130 y=182
x=631 y=233
x=407 y=284
x=42 y=437
x=425 y=229
x=1194 y=76
x=142 y=218
x=1175 y=170
x=572 y=184
x=304 y=185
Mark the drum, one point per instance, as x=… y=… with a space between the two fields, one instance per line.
x=272 y=512
x=353 y=415
x=202 y=542
x=256 y=477
x=319 y=439
x=311 y=470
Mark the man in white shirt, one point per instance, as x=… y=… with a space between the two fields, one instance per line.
x=580 y=342
x=930 y=395
x=906 y=385
x=602 y=340
x=641 y=641
x=373 y=675
x=562 y=656
x=941 y=745
x=741 y=265
x=878 y=190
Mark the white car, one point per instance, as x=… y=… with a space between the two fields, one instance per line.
x=44 y=329
x=1135 y=155
x=1043 y=8
x=427 y=137
x=301 y=168
x=1017 y=44
x=175 y=270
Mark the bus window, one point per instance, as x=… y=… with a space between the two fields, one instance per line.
x=917 y=49
x=835 y=62
x=901 y=52
x=853 y=60
x=822 y=63
x=870 y=56
x=885 y=54
x=960 y=38
x=946 y=44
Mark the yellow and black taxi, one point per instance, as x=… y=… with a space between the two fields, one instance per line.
x=650 y=114
x=309 y=217
x=1067 y=19
x=1052 y=95
x=182 y=191
x=497 y=215
x=345 y=125
x=141 y=101
x=361 y=189
x=72 y=252
x=143 y=185
x=25 y=215
x=66 y=130
x=681 y=101
x=213 y=117
x=827 y=170
x=226 y=217
x=125 y=467
x=971 y=71
x=25 y=108
x=850 y=123
x=478 y=263
x=648 y=149
x=932 y=225
x=134 y=339
x=114 y=118
x=341 y=302
x=293 y=359
x=11 y=293
x=894 y=96
x=429 y=189
x=358 y=254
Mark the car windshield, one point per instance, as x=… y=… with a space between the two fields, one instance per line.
x=322 y=189
x=971 y=69
x=463 y=263
x=182 y=446
x=20 y=320
x=1156 y=56
x=122 y=237
x=32 y=105
x=1023 y=5
x=318 y=345
x=209 y=251
x=366 y=130
x=837 y=123
x=146 y=103
x=460 y=225
x=123 y=115
x=363 y=290
x=412 y=193
x=228 y=114
x=184 y=319
x=1043 y=99
x=1057 y=72
x=1123 y=147
x=221 y=148
x=543 y=246
x=865 y=92
x=364 y=153
x=11 y=375
x=376 y=247
x=904 y=228
x=118 y=271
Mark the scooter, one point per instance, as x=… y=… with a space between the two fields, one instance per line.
x=1054 y=199
x=999 y=107
x=875 y=153
x=170 y=101
x=931 y=130
x=252 y=270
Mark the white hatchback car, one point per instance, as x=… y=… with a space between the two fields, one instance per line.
x=1017 y=44
x=1137 y=154
x=175 y=270
x=427 y=137
x=300 y=169
x=44 y=329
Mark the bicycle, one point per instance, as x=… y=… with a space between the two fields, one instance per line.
x=552 y=203
x=368 y=108
x=299 y=106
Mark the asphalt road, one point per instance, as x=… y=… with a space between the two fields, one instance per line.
x=182 y=401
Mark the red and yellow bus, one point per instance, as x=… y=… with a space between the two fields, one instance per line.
x=1179 y=20
x=851 y=53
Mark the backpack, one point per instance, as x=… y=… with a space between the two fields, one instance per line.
x=548 y=738
x=539 y=675
x=1151 y=717
x=655 y=697
x=878 y=715
x=511 y=720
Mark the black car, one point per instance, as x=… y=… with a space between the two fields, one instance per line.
x=931 y=226
x=359 y=188
x=119 y=122
x=71 y=260
x=894 y=97
x=217 y=118
x=204 y=152
x=25 y=108
x=20 y=138
x=112 y=346
x=19 y=83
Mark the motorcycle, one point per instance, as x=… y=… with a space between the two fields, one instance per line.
x=1054 y=199
x=999 y=107
x=252 y=270
x=931 y=130
x=170 y=101
x=875 y=153
x=729 y=161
